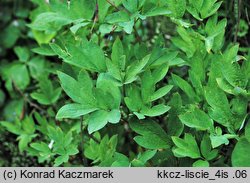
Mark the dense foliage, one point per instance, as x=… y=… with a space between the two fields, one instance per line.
x=124 y=83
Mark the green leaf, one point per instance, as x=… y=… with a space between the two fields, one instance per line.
x=134 y=69
x=216 y=98
x=194 y=12
x=74 y=111
x=71 y=87
x=44 y=49
x=184 y=86
x=206 y=148
x=50 y=22
x=152 y=136
x=24 y=139
x=47 y=94
x=10 y=35
x=28 y=125
x=106 y=28
x=103 y=153
x=13 y=110
x=42 y=37
x=160 y=72
x=16 y=73
x=142 y=158
x=155 y=110
x=61 y=159
x=209 y=8
x=139 y=115
x=37 y=67
x=41 y=147
x=181 y=23
x=240 y=155
x=186 y=147
x=161 y=92
x=218 y=140
x=87 y=55
x=109 y=86
x=156 y=11
x=215 y=33
x=201 y=163
x=163 y=61
x=225 y=86
x=209 y=41
x=117 y=17
x=218 y=101
x=177 y=7
x=133 y=100
x=77 y=26
x=103 y=7
x=81 y=9
x=24 y=129
x=12 y=127
x=120 y=160
x=114 y=116
x=130 y=5
x=127 y=26
x=99 y=119
x=186 y=41
x=247 y=132
x=148 y=82
x=205 y=8
x=234 y=75
x=72 y=150
x=117 y=53
x=20 y=76
x=75 y=90
x=44 y=152
x=22 y=53
x=113 y=70
x=147 y=86
x=230 y=55
x=196 y=118
x=147 y=155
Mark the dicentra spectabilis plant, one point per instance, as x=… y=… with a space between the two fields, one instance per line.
x=130 y=83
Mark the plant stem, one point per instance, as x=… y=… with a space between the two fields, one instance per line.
x=237 y=6
x=113 y=4
x=247 y=16
x=26 y=99
x=82 y=157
